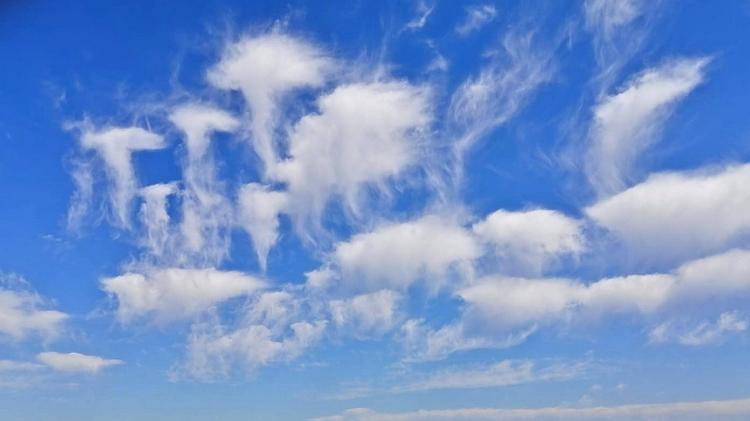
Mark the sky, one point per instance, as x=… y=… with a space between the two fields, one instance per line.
x=363 y=211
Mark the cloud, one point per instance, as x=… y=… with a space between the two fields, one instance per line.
x=528 y=241
x=701 y=410
x=337 y=152
x=172 y=294
x=271 y=330
x=628 y=123
x=24 y=313
x=258 y=214
x=265 y=68
x=476 y=18
x=704 y=333
x=366 y=315
x=206 y=212
x=500 y=374
x=74 y=362
x=397 y=255
x=499 y=91
x=155 y=217
x=423 y=13
x=679 y=215
x=499 y=312
x=115 y=146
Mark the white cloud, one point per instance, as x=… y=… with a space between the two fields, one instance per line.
x=627 y=123
x=476 y=18
x=258 y=214
x=528 y=241
x=676 y=216
x=337 y=152
x=115 y=145
x=213 y=350
x=397 y=255
x=423 y=13
x=500 y=90
x=500 y=311
x=24 y=313
x=701 y=410
x=265 y=68
x=206 y=212
x=74 y=362
x=173 y=294
x=704 y=333
x=155 y=217
x=503 y=373
x=366 y=315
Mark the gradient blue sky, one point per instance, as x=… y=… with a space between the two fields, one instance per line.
x=363 y=210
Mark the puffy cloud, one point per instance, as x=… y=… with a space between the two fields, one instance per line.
x=259 y=210
x=206 y=212
x=704 y=333
x=115 y=146
x=677 y=216
x=74 y=362
x=395 y=256
x=173 y=294
x=24 y=313
x=337 y=152
x=701 y=410
x=627 y=123
x=476 y=18
x=500 y=311
x=366 y=314
x=528 y=241
x=265 y=68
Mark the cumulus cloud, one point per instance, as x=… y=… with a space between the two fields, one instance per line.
x=476 y=18
x=74 y=362
x=727 y=410
x=703 y=333
x=397 y=255
x=115 y=146
x=259 y=209
x=265 y=68
x=172 y=294
x=502 y=311
x=627 y=123
x=337 y=152
x=24 y=313
x=679 y=215
x=366 y=315
x=528 y=241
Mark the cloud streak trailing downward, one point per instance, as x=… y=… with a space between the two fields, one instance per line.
x=628 y=123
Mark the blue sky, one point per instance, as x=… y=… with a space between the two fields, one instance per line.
x=398 y=210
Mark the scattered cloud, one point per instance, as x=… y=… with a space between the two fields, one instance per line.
x=476 y=18
x=675 y=216
x=701 y=410
x=74 y=362
x=366 y=315
x=167 y=295
x=704 y=333
x=24 y=313
x=628 y=123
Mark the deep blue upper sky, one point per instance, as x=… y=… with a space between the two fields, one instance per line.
x=286 y=210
